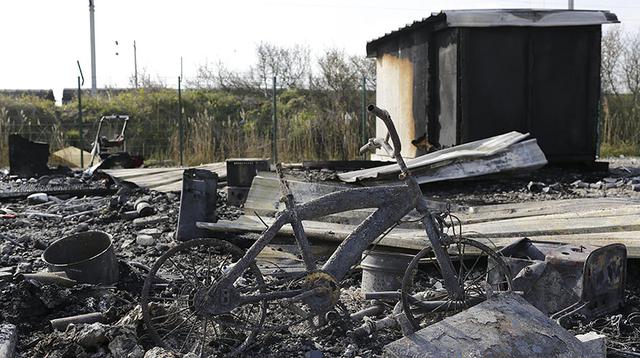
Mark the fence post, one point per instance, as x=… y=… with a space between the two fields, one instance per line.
x=180 y=127
x=364 y=114
x=80 y=123
x=274 y=149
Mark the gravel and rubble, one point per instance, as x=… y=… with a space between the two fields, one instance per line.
x=549 y=183
x=28 y=226
x=622 y=328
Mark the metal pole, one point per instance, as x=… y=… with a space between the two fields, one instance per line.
x=80 y=123
x=364 y=114
x=570 y=4
x=135 y=64
x=181 y=128
x=275 y=123
x=92 y=30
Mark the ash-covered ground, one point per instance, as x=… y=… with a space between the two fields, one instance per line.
x=30 y=305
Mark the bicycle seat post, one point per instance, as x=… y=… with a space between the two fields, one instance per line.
x=296 y=223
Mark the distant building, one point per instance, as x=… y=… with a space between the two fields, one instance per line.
x=70 y=94
x=17 y=93
x=463 y=75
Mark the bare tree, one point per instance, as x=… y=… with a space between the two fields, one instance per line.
x=366 y=67
x=296 y=65
x=631 y=65
x=612 y=53
x=145 y=80
x=339 y=79
x=337 y=72
x=267 y=64
x=217 y=75
x=290 y=65
x=205 y=77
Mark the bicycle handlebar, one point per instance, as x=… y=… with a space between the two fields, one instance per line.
x=386 y=118
x=395 y=139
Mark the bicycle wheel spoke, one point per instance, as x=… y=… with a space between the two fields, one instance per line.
x=204 y=335
x=209 y=269
x=473 y=267
x=179 y=325
x=460 y=259
x=170 y=314
x=188 y=334
x=181 y=272
x=172 y=299
x=440 y=306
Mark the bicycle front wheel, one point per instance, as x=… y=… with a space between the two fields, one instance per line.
x=480 y=272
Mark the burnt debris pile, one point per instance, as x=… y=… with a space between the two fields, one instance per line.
x=89 y=263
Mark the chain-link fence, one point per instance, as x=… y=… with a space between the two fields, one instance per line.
x=217 y=124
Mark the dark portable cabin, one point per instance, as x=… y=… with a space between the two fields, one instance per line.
x=464 y=75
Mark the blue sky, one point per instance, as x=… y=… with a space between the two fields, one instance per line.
x=42 y=39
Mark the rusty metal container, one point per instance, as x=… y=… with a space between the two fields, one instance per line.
x=236 y=195
x=241 y=171
x=383 y=270
x=86 y=257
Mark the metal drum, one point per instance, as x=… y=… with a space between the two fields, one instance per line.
x=383 y=270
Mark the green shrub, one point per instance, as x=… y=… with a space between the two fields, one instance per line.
x=217 y=124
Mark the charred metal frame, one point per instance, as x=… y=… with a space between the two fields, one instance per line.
x=97 y=147
x=392 y=203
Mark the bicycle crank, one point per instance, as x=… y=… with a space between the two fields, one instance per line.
x=322 y=292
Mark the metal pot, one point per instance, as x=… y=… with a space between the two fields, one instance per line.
x=86 y=257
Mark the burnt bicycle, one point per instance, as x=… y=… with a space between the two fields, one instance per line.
x=209 y=297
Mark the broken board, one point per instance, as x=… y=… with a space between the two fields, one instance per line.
x=594 y=227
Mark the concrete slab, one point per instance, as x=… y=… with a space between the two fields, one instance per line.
x=505 y=326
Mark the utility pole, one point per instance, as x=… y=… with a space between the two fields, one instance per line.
x=92 y=30
x=570 y=4
x=135 y=64
x=180 y=126
x=363 y=118
x=274 y=114
x=80 y=141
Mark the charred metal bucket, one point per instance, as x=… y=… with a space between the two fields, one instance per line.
x=383 y=270
x=197 y=202
x=87 y=257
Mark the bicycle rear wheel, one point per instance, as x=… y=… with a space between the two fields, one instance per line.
x=175 y=300
x=481 y=272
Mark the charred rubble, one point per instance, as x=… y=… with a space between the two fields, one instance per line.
x=105 y=320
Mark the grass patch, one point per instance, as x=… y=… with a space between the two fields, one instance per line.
x=616 y=150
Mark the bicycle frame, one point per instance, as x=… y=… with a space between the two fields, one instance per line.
x=392 y=203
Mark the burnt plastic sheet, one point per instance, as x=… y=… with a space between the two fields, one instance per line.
x=27 y=158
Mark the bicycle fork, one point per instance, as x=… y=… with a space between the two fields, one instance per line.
x=454 y=288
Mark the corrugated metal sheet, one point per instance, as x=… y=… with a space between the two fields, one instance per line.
x=488 y=156
x=161 y=179
x=503 y=17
